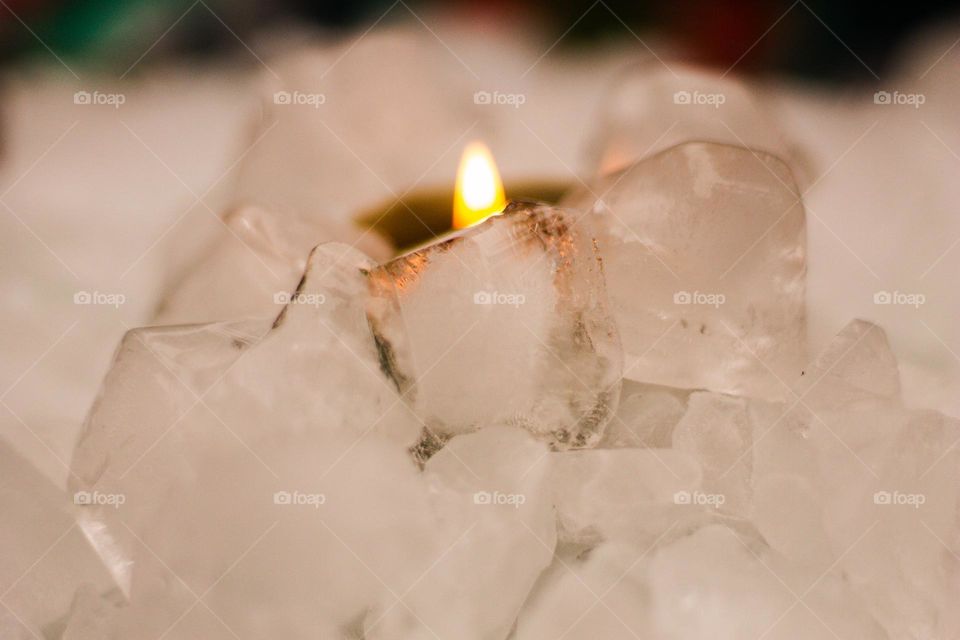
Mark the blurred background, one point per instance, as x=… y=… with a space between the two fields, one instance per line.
x=111 y=34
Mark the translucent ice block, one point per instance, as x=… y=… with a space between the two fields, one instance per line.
x=650 y=108
x=704 y=253
x=506 y=322
x=227 y=447
x=845 y=477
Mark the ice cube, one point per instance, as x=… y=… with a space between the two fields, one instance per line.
x=702 y=585
x=858 y=363
x=496 y=523
x=601 y=593
x=626 y=495
x=506 y=322
x=254 y=258
x=271 y=452
x=847 y=479
x=704 y=254
x=645 y=416
x=651 y=108
x=717 y=433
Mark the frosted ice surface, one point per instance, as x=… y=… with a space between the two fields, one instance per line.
x=704 y=254
x=507 y=322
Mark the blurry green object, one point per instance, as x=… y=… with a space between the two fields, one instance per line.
x=111 y=33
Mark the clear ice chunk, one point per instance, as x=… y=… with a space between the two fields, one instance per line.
x=650 y=108
x=504 y=323
x=254 y=258
x=704 y=253
x=717 y=433
x=711 y=583
x=858 y=363
x=645 y=416
x=601 y=593
x=265 y=449
x=627 y=495
x=848 y=481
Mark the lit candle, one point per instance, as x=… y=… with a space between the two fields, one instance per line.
x=425 y=216
x=479 y=190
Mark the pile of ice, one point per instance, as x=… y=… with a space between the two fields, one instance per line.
x=586 y=421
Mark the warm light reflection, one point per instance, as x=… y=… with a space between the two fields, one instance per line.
x=479 y=191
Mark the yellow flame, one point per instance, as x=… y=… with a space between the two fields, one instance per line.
x=479 y=191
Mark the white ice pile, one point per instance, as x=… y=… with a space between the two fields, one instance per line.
x=589 y=421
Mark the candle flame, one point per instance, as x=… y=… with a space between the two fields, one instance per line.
x=479 y=191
